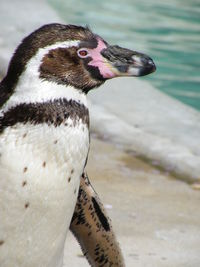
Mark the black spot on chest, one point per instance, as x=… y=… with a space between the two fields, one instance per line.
x=2 y=242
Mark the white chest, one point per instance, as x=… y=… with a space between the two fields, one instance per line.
x=40 y=168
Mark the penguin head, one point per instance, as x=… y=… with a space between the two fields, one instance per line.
x=73 y=55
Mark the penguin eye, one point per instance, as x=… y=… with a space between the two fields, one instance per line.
x=83 y=53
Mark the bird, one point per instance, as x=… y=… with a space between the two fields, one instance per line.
x=45 y=139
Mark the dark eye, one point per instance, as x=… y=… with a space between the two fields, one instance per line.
x=83 y=53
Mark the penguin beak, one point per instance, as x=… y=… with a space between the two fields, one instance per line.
x=125 y=62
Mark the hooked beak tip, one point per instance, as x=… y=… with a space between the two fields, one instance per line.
x=142 y=65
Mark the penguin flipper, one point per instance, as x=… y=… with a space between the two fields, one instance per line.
x=92 y=228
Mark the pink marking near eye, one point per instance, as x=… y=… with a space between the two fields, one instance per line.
x=98 y=60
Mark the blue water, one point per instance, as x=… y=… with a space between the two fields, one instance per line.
x=167 y=31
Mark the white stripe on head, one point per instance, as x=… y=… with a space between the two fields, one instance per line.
x=31 y=88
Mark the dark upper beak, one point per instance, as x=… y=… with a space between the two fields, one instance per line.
x=125 y=62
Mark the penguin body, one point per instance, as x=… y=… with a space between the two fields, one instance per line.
x=44 y=136
x=42 y=165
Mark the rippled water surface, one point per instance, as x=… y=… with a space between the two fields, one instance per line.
x=167 y=31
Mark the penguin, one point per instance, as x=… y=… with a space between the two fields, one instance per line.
x=44 y=141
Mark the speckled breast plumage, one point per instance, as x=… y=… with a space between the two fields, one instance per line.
x=41 y=165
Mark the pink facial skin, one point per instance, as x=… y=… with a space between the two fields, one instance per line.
x=99 y=61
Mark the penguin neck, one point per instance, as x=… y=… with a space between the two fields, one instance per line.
x=39 y=101
x=32 y=89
